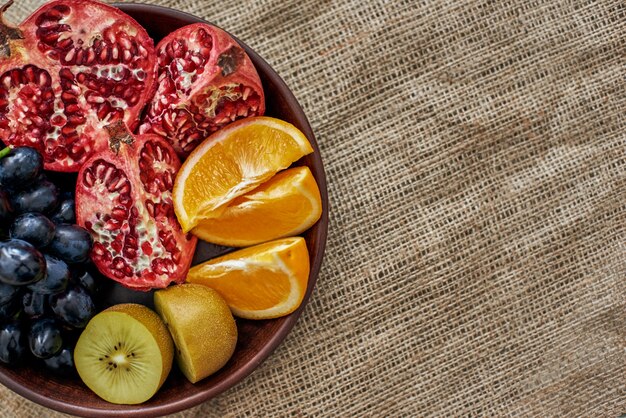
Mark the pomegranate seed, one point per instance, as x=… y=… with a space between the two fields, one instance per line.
x=76 y=120
x=110 y=36
x=146 y=248
x=89 y=178
x=112 y=178
x=16 y=78
x=129 y=253
x=142 y=51
x=92 y=84
x=66 y=74
x=124 y=42
x=91 y=56
x=103 y=110
x=68 y=96
x=98 y=249
x=124 y=189
x=112 y=225
x=65 y=44
x=44 y=78
x=72 y=108
x=69 y=56
x=105 y=55
x=80 y=57
x=117 y=243
x=38 y=120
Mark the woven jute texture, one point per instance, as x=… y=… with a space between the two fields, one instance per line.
x=476 y=161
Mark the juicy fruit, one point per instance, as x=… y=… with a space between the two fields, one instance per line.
x=34 y=228
x=20 y=263
x=124 y=199
x=261 y=282
x=12 y=343
x=205 y=81
x=74 y=307
x=237 y=159
x=204 y=331
x=42 y=196
x=50 y=298
x=62 y=363
x=56 y=279
x=44 y=338
x=20 y=167
x=65 y=213
x=286 y=205
x=71 y=68
x=124 y=354
x=71 y=243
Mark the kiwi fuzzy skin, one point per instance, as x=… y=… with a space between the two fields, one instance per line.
x=202 y=326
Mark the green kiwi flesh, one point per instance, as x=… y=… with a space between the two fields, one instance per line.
x=124 y=354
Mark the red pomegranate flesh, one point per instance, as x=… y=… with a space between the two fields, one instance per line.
x=70 y=69
x=205 y=81
x=124 y=199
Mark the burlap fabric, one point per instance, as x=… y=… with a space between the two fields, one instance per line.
x=476 y=159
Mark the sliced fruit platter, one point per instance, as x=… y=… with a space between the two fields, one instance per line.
x=163 y=208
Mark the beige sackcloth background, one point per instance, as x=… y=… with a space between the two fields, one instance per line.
x=476 y=162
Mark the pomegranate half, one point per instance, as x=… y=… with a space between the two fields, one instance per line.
x=124 y=199
x=205 y=81
x=70 y=69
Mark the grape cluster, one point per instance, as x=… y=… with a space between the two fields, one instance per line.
x=46 y=286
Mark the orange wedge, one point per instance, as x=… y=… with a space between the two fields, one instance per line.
x=232 y=162
x=261 y=282
x=286 y=205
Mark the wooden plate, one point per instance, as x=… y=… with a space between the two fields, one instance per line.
x=257 y=339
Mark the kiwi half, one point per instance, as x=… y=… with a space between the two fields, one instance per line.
x=124 y=354
x=202 y=326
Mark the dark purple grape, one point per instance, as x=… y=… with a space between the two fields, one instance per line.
x=34 y=228
x=57 y=277
x=65 y=213
x=62 y=363
x=12 y=343
x=35 y=305
x=71 y=243
x=20 y=167
x=20 y=263
x=40 y=197
x=8 y=293
x=44 y=338
x=74 y=306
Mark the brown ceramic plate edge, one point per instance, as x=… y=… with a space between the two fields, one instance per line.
x=317 y=240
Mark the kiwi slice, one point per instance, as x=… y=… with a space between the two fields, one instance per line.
x=124 y=354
